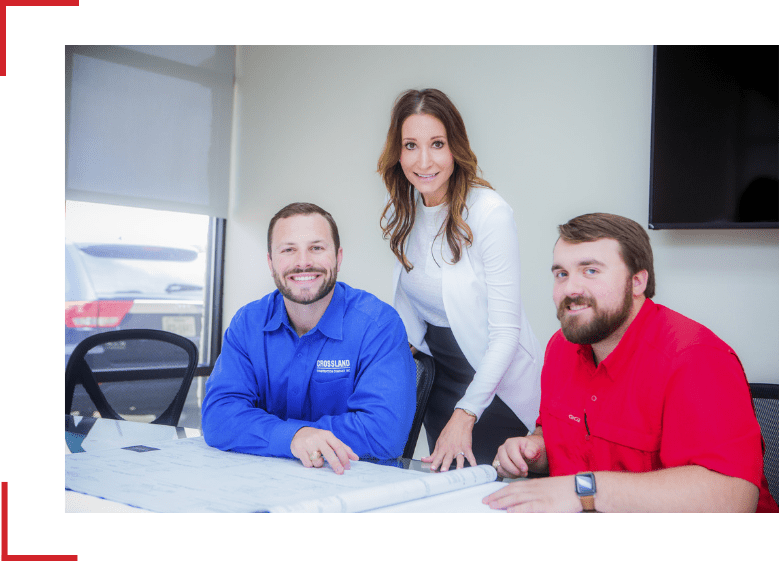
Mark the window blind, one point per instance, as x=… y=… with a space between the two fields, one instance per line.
x=150 y=126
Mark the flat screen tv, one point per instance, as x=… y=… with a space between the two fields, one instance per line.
x=715 y=137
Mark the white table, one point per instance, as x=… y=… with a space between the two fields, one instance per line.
x=107 y=447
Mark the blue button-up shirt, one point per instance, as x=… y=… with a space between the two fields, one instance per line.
x=352 y=374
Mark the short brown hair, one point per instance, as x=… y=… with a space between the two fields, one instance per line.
x=634 y=245
x=295 y=209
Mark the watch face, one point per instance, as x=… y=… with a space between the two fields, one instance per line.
x=585 y=484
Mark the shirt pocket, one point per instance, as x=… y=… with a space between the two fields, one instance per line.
x=564 y=415
x=330 y=389
x=626 y=448
x=329 y=376
x=565 y=437
x=623 y=436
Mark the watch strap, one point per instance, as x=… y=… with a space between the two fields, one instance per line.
x=588 y=503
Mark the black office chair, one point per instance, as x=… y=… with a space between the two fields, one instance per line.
x=765 y=397
x=425 y=376
x=134 y=366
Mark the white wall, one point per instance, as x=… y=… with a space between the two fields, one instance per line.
x=559 y=131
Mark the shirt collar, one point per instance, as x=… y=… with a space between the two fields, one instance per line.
x=627 y=345
x=278 y=313
x=330 y=324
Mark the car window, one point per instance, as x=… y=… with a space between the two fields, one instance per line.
x=113 y=274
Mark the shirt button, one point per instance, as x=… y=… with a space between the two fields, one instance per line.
x=594 y=398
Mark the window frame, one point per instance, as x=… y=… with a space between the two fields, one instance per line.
x=214 y=288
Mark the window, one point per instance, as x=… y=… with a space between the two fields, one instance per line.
x=147 y=158
x=138 y=268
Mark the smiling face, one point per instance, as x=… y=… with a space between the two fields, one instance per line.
x=425 y=157
x=303 y=259
x=595 y=294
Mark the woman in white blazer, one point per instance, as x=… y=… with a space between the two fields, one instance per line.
x=457 y=283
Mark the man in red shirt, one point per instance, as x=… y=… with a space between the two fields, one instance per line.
x=642 y=409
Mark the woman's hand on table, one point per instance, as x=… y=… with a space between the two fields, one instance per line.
x=454 y=443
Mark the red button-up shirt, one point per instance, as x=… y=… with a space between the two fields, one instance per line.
x=671 y=394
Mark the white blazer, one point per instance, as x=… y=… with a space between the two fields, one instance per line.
x=482 y=300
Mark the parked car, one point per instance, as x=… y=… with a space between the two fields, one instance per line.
x=113 y=286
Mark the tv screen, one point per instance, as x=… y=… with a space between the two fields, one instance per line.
x=715 y=137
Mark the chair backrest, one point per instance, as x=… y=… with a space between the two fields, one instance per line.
x=132 y=363
x=765 y=397
x=425 y=376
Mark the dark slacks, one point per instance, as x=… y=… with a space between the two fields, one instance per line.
x=453 y=374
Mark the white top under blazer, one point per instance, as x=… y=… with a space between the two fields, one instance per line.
x=483 y=305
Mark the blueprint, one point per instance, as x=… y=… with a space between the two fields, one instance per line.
x=401 y=493
x=187 y=475
x=465 y=500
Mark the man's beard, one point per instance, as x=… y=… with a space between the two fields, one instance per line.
x=603 y=323
x=306 y=297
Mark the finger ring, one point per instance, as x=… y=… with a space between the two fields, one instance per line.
x=314 y=456
x=496 y=464
x=458 y=453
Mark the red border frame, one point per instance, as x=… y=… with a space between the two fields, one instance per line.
x=3 y=5
x=6 y=557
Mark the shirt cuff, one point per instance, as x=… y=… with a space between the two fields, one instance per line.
x=470 y=408
x=281 y=438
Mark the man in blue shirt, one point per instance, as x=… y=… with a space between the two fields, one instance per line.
x=315 y=370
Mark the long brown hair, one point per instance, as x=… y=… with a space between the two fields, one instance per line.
x=397 y=220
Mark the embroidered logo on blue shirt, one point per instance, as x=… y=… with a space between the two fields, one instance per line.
x=333 y=366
